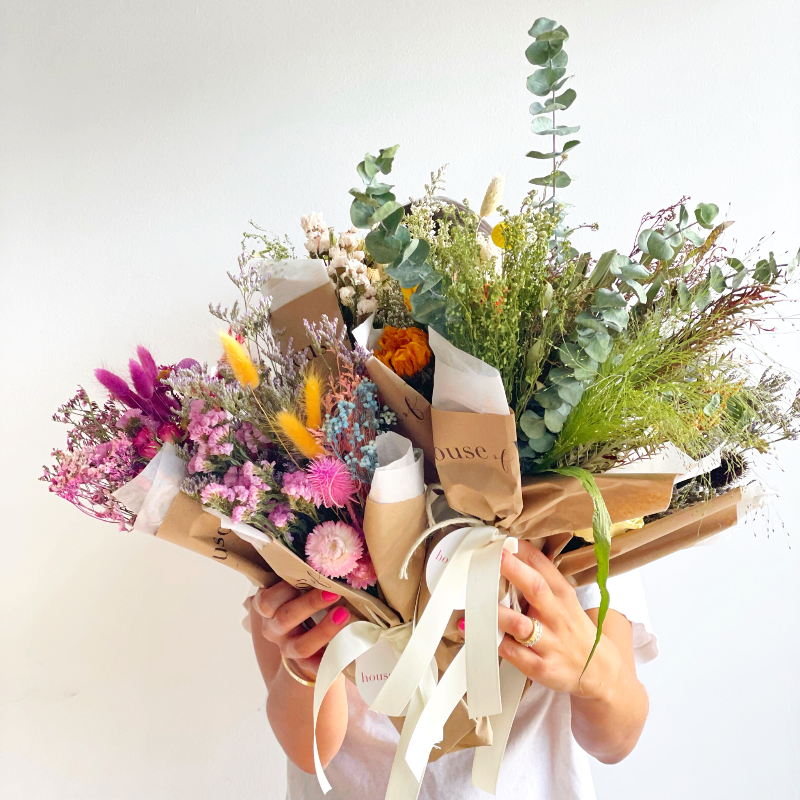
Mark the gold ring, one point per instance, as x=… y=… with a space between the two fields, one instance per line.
x=536 y=634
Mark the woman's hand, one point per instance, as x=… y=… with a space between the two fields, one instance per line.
x=609 y=705
x=278 y=617
x=285 y=615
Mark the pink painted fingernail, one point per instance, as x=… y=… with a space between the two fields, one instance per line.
x=461 y=624
x=340 y=616
x=329 y=597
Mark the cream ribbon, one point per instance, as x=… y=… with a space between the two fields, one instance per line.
x=351 y=642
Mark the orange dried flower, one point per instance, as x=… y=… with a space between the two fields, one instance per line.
x=404 y=350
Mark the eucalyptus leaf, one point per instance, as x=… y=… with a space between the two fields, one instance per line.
x=705 y=213
x=384 y=211
x=615 y=318
x=602 y=268
x=543 y=81
x=554 y=418
x=540 y=51
x=543 y=444
x=597 y=345
x=702 y=298
x=716 y=280
x=537 y=108
x=658 y=248
x=567 y=99
x=543 y=126
x=548 y=398
x=694 y=237
x=683 y=218
x=383 y=247
x=542 y=25
x=558 y=34
x=360 y=214
x=428 y=308
x=532 y=425
x=567 y=146
x=559 y=179
x=570 y=391
x=628 y=269
x=559 y=60
x=605 y=298
x=573 y=356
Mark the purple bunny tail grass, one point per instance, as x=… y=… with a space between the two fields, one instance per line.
x=142 y=382
x=159 y=408
x=187 y=363
x=114 y=384
x=148 y=363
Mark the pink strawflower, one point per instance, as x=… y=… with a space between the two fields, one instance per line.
x=333 y=549
x=281 y=515
x=331 y=480
x=363 y=574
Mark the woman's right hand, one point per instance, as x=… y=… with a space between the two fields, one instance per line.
x=284 y=610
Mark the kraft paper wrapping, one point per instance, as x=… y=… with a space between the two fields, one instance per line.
x=478 y=464
x=555 y=504
x=311 y=306
x=667 y=535
x=412 y=409
x=189 y=526
x=390 y=529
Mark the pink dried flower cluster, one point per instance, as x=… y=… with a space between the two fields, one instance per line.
x=241 y=488
x=333 y=549
x=209 y=430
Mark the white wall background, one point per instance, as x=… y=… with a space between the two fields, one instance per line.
x=137 y=141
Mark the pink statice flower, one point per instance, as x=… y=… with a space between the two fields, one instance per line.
x=333 y=549
x=281 y=515
x=251 y=437
x=297 y=485
x=208 y=430
x=330 y=479
x=363 y=575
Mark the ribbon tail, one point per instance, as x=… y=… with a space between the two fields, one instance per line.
x=344 y=648
x=428 y=731
x=483 y=674
x=487 y=760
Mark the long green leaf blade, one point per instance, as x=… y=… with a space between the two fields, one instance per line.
x=601 y=531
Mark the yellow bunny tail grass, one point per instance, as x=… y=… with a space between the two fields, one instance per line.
x=239 y=361
x=298 y=434
x=312 y=396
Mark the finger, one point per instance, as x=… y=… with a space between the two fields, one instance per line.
x=532 y=585
x=519 y=626
x=535 y=558
x=296 y=612
x=308 y=644
x=268 y=601
x=523 y=658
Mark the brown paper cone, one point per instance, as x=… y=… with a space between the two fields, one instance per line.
x=412 y=409
x=478 y=464
x=189 y=526
x=294 y=570
x=554 y=504
x=311 y=307
x=667 y=535
x=390 y=530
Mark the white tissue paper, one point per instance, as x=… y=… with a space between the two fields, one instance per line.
x=399 y=475
x=671 y=459
x=462 y=382
x=287 y=279
x=367 y=336
x=150 y=494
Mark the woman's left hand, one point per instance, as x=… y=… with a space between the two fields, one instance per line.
x=557 y=660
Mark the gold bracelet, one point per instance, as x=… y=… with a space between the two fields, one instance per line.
x=295 y=675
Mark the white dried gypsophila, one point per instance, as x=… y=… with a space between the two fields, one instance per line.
x=489 y=249
x=366 y=305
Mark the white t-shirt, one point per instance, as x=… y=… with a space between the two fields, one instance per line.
x=542 y=760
